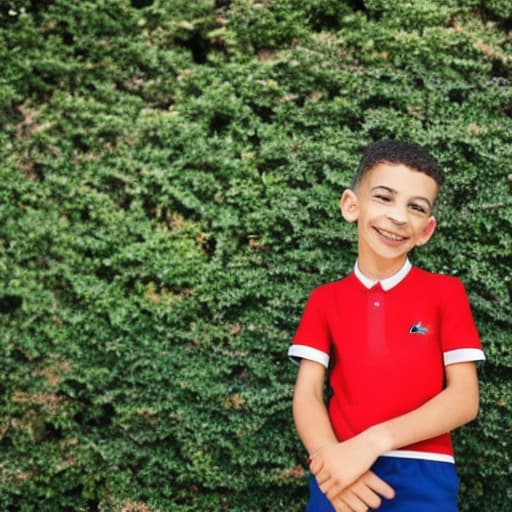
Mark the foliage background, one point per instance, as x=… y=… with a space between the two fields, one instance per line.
x=170 y=172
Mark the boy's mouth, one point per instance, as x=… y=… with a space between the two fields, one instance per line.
x=390 y=236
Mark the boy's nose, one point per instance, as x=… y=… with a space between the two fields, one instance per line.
x=398 y=215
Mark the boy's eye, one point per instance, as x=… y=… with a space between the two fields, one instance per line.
x=418 y=208
x=382 y=197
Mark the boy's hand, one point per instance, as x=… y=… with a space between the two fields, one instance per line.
x=338 y=465
x=365 y=493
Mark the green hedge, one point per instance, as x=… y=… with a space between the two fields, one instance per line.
x=170 y=172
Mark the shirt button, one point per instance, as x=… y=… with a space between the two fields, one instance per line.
x=376 y=303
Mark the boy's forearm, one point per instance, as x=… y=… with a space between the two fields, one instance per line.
x=309 y=409
x=456 y=405
x=312 y=422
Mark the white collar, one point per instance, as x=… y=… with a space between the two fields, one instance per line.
x=387 y=283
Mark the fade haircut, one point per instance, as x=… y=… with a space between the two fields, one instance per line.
x=398 y=152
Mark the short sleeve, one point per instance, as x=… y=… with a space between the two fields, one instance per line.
x=312 y=339
x=459 y=336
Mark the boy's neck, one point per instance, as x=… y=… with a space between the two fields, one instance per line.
x=377 y=270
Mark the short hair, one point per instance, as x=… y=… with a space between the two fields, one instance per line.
x=398 y=152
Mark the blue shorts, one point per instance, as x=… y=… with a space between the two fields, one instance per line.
x=420 y=486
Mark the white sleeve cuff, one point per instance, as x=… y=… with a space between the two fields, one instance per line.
x=297 y=352
x=462 y=355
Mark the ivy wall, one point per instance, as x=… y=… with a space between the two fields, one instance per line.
x=169 y=179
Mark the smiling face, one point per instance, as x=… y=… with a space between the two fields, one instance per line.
x=393 y=209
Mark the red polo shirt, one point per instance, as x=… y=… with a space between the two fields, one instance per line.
x=386 y=345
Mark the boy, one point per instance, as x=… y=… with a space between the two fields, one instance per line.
x=400 y=345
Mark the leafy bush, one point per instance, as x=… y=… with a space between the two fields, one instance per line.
x=169 y=185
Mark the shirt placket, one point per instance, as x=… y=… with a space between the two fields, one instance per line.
x=376 y=321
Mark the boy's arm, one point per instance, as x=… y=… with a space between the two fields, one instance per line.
x=456 y=405
x=315 y=430
x=309 y=410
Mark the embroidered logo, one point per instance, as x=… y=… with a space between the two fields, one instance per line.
x=417 y=328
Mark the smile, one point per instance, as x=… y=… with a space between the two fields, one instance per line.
x=390 y=236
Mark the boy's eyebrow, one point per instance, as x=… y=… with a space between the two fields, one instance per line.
x=393 y=191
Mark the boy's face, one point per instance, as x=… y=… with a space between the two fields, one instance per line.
x=393 y=209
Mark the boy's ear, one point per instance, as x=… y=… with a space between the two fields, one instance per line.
x=349 y=205
x=428 y=231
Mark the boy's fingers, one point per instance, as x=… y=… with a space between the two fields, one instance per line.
x=378 y=485
x=329 y=485
x=352 y=502
x=314 y=465
x=339 y=506
x=326 y=486
x=369 y=497
x=333 y=490
x=365 y=494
